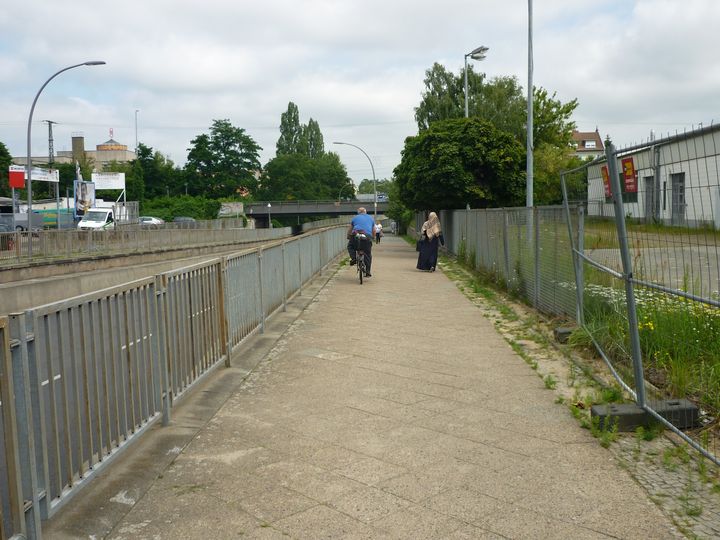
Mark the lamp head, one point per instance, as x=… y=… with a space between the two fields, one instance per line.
x=94 y=63
x=479 y=53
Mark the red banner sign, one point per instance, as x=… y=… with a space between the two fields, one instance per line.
x=606 y=180
x=16 y=176
x=630 y=175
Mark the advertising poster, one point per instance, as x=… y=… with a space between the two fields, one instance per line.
x=84 y=197
x=629 y=175
x=606 y=181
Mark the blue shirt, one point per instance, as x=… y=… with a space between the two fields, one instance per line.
x=363 y=222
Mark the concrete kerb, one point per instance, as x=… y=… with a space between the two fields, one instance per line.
x=103 y=504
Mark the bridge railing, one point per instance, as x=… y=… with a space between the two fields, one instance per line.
x=15 y=247
x=83 y=378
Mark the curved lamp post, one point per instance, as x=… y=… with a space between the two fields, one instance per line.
x=373 y=173
x=341 y=190
x=28 y=167
x=476 y=54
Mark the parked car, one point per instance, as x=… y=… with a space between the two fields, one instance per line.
x=150 y=221
x=97 y=219
x=183 y=219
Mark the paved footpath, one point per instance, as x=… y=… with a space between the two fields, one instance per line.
x=390 y=410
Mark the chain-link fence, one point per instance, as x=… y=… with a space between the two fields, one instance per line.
x=648 y=263
x=532 y=262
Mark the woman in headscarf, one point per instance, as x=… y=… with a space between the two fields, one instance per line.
x=431 y=237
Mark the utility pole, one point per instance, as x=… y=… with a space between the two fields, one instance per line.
x=51 y=148
x=51 y=160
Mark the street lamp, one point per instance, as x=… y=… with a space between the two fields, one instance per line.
x=477 y=54
x=529 y=150
x=373 y=173
x=29 y=153
x=269 y=219
x=341 y=190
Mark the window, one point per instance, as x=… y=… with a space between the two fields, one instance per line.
x=590 y=144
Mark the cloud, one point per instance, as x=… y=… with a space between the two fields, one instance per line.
x=355 y=67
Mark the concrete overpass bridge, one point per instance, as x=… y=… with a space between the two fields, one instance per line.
x=260 y=210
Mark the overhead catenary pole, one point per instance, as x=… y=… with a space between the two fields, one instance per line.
x=29 y=131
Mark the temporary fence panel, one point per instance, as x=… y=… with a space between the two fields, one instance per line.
x=651 y=277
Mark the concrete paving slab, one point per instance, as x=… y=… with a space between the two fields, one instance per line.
x=388 y=410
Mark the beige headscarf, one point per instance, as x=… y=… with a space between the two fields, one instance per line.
x=432 y=226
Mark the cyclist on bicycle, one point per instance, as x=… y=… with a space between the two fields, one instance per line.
x=361 y=223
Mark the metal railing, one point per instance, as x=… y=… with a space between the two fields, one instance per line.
x=51 y=244
x=82 y=378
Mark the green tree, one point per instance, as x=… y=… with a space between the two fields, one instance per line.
x=290 y=131
x=223 y=163
x=5 y=162
x=160 y=175
x=459 y=162
x=311 y=140
x=300 y=177
x=500 y=101
x=367 y=186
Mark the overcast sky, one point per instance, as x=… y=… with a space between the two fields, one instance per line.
x=357 y=67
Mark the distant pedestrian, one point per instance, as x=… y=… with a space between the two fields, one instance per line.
x=378 y=232
x=431 y=237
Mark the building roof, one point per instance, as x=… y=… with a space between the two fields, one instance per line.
x=588 y=141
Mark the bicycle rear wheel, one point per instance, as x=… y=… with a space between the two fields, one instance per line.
x=361 y=265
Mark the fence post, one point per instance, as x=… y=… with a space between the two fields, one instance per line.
x=260 y=290
x=506 y=247
x=300 y=279
x=536 y=256
x=610 y=154
x=162 y=347
x=222 y=310
x=284 y=290
x=580 y=269
x=25 y=432
x=577 y=262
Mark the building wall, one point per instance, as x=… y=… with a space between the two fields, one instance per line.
x=695 y=158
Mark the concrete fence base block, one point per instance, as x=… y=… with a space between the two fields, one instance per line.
x=628 y=416
x=562 y=334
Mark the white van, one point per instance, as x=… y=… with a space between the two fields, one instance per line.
x=97 y=219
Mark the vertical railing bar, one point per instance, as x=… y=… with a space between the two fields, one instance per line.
x=128 y=369
x=12 y=449
x=85 y=374
x=25 y=430
x=35 y=355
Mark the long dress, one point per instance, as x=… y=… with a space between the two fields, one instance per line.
x=427 y=258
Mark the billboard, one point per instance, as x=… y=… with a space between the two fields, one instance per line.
x=109 y=180
x=84 y=197
x=17 y=175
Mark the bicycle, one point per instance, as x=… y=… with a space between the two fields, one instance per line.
x=361 y=240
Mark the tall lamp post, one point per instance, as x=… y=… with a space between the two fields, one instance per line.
x=476 y=54
x=373 y=173
x=29 y=129
x=529 y=160
x=136 y=137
